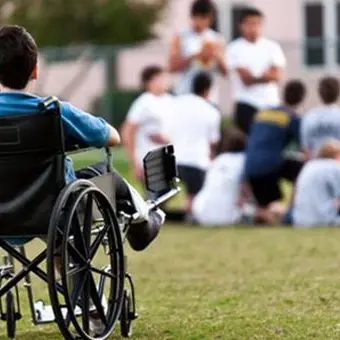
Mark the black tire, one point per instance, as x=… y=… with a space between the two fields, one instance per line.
x=74 y=242
x=59 y=212
x=10 y=315
x=125 y=320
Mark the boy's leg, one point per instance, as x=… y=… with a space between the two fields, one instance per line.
x=266 y=190
x=291 y=169
x=193 y=179
x=244 y=116
x=142 y=231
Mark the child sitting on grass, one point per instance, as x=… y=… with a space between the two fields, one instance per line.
x=218 y=202
x=317 y=198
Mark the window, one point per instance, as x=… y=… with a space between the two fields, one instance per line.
x=215 y=24
x=228 y=18
x=236 y=12
x=321 y=29
x=315 y=34
x=338 y=33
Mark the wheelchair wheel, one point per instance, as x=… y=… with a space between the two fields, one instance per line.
x=81 y=245
x=10 y=315
x=125 y=316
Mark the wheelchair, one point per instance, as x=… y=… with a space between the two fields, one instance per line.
x=77 y=221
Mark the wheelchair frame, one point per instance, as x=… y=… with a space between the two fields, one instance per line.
x=71 y=243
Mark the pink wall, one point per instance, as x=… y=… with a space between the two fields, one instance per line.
x=283 y=23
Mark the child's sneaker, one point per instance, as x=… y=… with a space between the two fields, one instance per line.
x=141 y=234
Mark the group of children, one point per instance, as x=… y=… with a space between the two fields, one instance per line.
x=313 y=169
x=233 y=178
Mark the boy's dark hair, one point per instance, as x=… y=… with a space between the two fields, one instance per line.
x=18 y=56
x=249 y=12
x=329 y=90
x=202 y=8
x=233 y=140
x=294 y=92
x=149 y=73
x=201 y=83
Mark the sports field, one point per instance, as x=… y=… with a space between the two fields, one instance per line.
x=195 y=284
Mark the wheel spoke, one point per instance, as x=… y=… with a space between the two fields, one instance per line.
x=76 y=292
x=78 y=235
x=97 y=301
x=86 y=306
x=88 y=221
x=98 y=240
x=88 y=218
x=104 y=273
x=74 y=271
x=75 y=254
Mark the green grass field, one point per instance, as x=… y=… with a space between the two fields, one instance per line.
x=195 y=284
x=225 y=284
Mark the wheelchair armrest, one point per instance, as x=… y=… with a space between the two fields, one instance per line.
x=73 y=145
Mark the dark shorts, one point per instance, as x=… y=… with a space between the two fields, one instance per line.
x=266 y=188
x=243 y=116
x=193 y=178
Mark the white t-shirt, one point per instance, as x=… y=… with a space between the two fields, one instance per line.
x=318 y=125
x=216 y=203
x=150 y=113
x=256 y=57
x=191 y=43
x=193 y=127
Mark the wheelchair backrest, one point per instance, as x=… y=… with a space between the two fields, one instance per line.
x=31 y=171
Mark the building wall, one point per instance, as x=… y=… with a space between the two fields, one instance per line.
x=283 y=23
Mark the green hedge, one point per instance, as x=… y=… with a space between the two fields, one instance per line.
x=115 y=105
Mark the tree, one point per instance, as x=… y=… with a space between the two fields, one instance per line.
x=65 y=22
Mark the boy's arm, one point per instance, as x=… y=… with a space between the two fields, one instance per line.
x=90 y=130
x=244 y=194
x=221 y=58
x=129 y=131
x=177 y=63
x=304 y=140
x=215 y=133
x=273 y=74
x=159 y=139
x=134 y=119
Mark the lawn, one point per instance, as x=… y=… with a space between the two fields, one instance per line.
x=230 y=284
x=225 y=284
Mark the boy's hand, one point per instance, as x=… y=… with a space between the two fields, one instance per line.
x=159 y=139
x=337 y=204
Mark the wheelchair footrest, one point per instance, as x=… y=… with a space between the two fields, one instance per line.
x=44 y=313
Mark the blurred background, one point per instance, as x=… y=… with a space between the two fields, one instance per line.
x=92 y=51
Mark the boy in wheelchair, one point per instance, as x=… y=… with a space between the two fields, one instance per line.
x=18 y=71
